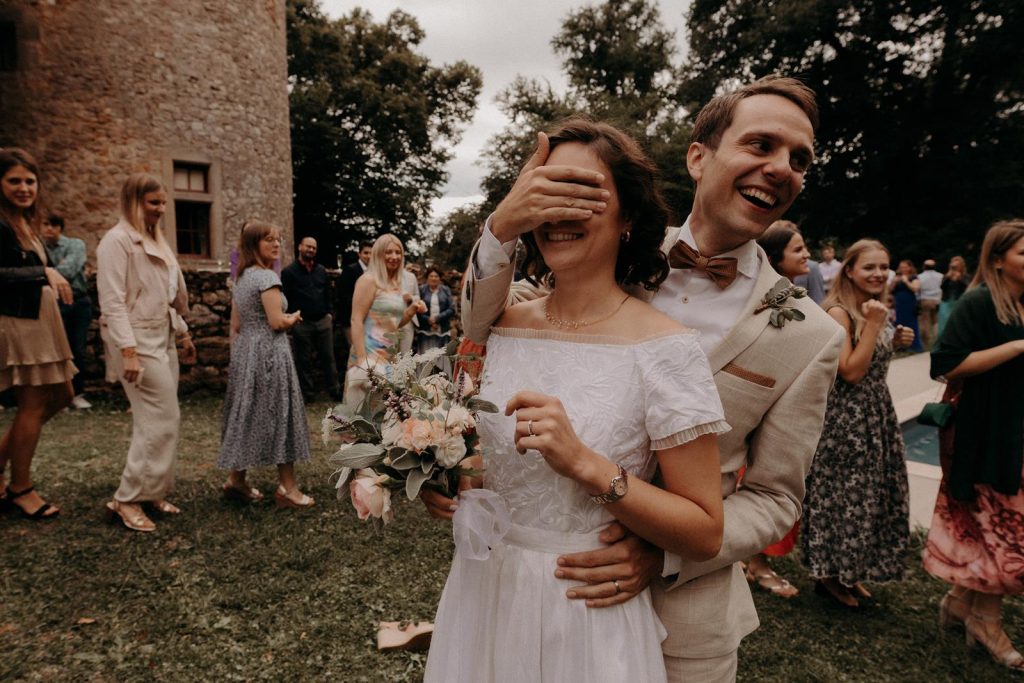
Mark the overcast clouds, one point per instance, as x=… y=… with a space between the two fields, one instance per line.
x=504 y=38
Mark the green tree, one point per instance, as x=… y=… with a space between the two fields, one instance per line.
x=458 y=233
x=372 y=124
x=618 y=60
x=921 y=142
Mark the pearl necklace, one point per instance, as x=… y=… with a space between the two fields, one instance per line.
x=577 y=324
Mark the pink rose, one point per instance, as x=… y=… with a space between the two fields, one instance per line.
x=369 y=498
x=417 y=434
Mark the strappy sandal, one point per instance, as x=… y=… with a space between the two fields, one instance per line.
x=135 y=519
x=953 y=611
x=393 y=635
x=773 y=583
x=282 y=501
x=165 y=507
x=241 y=494
x=40 y=513
x=998 y=645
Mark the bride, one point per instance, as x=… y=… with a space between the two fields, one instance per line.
x=599 y=390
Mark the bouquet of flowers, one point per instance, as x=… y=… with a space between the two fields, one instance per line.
x=415 y=428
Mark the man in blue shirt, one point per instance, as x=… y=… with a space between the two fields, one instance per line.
x=67 y=255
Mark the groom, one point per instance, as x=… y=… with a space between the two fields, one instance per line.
x=748 y=155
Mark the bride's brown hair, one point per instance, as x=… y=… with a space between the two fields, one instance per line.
x=640 y=260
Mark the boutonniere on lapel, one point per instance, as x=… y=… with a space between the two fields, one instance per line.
x=776 y=299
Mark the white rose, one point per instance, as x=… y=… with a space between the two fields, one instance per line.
x=450 y=451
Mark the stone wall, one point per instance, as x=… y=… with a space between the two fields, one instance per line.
x=209 y=319
x=104 y=89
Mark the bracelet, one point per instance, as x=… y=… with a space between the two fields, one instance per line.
x=129 y=352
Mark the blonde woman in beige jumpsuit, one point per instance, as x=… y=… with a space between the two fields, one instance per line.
x=142 y=300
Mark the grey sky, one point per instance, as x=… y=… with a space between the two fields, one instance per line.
x=504 y=38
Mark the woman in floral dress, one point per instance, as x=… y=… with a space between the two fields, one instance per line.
x=855 y=523
x=976 y=539
x=379 y=309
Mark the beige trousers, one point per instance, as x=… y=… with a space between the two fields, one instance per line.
x=149 y=472
x=711 y=670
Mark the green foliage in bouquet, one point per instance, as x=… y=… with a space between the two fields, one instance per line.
x=416 y=427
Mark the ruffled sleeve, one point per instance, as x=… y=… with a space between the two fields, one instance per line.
x=681 y=400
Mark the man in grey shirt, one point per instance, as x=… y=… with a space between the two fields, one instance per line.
x=929 y=297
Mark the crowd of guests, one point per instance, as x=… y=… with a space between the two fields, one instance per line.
x=854 y=525
x=277 y=322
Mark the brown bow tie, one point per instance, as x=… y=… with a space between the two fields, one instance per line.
x=721 y=269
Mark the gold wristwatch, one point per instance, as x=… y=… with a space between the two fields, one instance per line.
x=616 y=489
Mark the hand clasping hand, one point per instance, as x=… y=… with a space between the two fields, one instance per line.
x=614 y=574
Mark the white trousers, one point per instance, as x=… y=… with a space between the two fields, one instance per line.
x=149 y=471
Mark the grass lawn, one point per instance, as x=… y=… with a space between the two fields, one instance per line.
x=226 y=592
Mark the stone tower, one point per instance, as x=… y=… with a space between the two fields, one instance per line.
x=193 y=91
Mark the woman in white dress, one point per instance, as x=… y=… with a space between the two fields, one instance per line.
x=599 y=389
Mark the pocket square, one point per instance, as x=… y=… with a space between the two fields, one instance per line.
x=749 y=375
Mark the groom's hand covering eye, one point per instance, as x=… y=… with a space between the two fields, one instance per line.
x=548 y=194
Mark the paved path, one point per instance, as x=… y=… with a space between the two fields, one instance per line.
x=911 y=388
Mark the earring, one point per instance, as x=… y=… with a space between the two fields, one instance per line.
x=625 y=236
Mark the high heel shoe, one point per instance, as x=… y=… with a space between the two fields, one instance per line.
x=953 y=611
x=998 y=644
x=283 y=501
x=132 y=517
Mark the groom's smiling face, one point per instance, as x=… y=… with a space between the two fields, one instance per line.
x=754 y=174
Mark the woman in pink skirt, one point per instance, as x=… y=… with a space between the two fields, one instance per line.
x=976 y=540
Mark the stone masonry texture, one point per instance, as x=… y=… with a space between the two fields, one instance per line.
x=106 y=88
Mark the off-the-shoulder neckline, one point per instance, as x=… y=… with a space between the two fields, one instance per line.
x=593 y=339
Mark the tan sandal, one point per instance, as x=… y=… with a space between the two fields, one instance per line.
x=283 y=501
x=131 y=515
x=242 y=494
x=392 y=635
x=165 y=507
x=977 y=627
x=953 y=611
x=773 y=583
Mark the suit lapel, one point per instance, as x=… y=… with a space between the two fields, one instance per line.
x=749 y=326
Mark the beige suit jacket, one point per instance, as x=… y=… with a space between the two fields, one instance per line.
x=774 y=383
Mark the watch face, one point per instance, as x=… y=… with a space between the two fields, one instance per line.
x=619 y=486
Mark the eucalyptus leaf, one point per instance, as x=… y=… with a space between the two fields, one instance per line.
x=427 y=461
x=358 y=455
x=414 y=482
x=798 y=314
x=406 y=461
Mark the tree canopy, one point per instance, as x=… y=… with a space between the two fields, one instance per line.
x=921 y=142
x=372 y=124
x=618 y=58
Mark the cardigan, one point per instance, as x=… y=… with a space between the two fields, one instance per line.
x=988 y=444
x=22 y=276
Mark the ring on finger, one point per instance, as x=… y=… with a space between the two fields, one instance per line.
x=529 y=427
x=618 y=589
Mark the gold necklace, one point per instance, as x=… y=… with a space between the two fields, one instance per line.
x=577 y=324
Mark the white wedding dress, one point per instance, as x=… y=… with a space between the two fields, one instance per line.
x=507 y=618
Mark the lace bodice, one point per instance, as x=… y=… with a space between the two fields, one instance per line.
x=621 y=398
